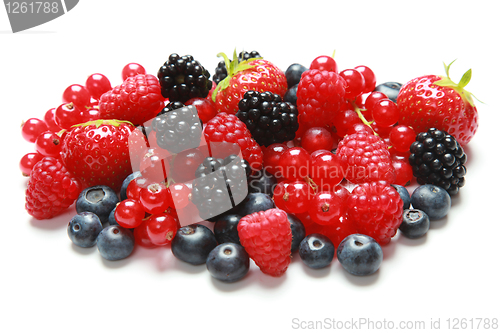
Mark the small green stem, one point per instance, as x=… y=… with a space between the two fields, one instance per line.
x=362 y=117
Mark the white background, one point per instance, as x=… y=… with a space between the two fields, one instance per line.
x=46 y=284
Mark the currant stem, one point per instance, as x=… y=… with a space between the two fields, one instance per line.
x=363 y=119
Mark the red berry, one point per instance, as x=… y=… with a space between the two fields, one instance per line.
x=297 y=196
x=294 y=164
x=135 y=187
x=385 y=113
x=161 y=228
x=28 y=161
x=67 y=115
x=403 y=171
x=141 y=236
x=154 y=166
x=324 y=63
x=50 y=120
x=89 y=114
x=186 y=162
x=180 y=195
x=97 y=84
x=48 y=144
x=76 y=94
x=317 y=138
x=344 y=122
x=155 y=198
x=355 y=83
x=325 y=206
x=205 y=106
x=369 y=76
x=129 y=213
x=132 y=69
x=32 y=128
x=402 y=137
x=272 y=155
x=327 y=170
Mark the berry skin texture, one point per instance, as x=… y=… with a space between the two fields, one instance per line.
x=32 y=128
x=316 y=251
x=115 y=243
x=226 y=228
x=298 y=231
x=84 y=228
x=129 y=213
x=435 y=101
x=415 y=223
x=97 y=152
x=100 y=200
x=267 y=238
x=193 y=243
x=431 y=199
x=51 y=189
x=366 y=157
x=137 y=100
x=228 y=262
x=376 y=209
x=255 y=202
x=360 y=255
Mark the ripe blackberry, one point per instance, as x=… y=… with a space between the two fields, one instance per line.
x=438 y=159
x=221 y=70
x=220 y=185
x=179 y=129
x=183 y=78
x=268 y=118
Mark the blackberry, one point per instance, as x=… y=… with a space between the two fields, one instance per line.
x=183 y=78
x=268 y=118
x=438 y=159
x=178 y=130
x=220 y=185
x=221 y=70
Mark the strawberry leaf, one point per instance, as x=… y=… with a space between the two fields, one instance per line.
x=465 y=79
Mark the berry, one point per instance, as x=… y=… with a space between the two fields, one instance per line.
x=183 y=78
x=295 y=197
x=48 y=144
x=67 y=115
x=437 y=158
x=272 y=156
x=385 y=113
x=403 y=171
x=433 y=101
x=115 y=243
x=366 y=157
x=369 y=78
x=161 y=228
x=226 y=228
x=390 y=89
x=255 y=202
x=401 y=137
x=126 y=182
x=293 y=74
x=298 y=231
x=267 y=238
x=415 y=223
x=137 y=100
x=360 y=255
x=51 y=189
x=32 y=128
x=129 y=213
x=294 y=164
x=132 y=69
x=228 y=128
x=403 y=194
x=355 y=83
x=316 y=251
x=320 y=95
x=325 y=207
x=291 y=95
x=99 y=199
x=154 y=165
x=221 y=70
x=376 y=209
x=267 y=117
x=431 y=199
x=76 y=94
x=180 y=194
x=50 y=120
x=262 y=182
x=345 y=122
x=28 y=161
x=97 y=152
x=228 y=262
x=84 y=228
x=324 y=63
x=97 y=84
x=205 y=107
x=253 y=74
x=317 y=138
x=327 y=170
x=193 y=243
x=155 y=198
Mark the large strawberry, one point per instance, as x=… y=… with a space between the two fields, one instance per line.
x=252 y=74
x=97 y=152
x=436 y=101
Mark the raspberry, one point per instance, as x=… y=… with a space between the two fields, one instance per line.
x=320 y=95
x=228 y=128
x=137 y=100
x=51 y=189
x=376 y=210
x=267 y=237
x=367 y=158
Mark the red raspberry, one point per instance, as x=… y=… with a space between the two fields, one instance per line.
x=228 y=128
x=51 y=189
x=376 y=210
x=267 y=237
x=320 y=95
x=367 y=158
x=137 y=100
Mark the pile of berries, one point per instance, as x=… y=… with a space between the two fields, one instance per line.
x=310 y=160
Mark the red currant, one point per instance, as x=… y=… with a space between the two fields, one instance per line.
x=403 y=170
x=48 y=144
x=32 y=128
x=206 y=108
x=180 y=195
x=297 y=196
x=154 y=166
x=373 y=99
x=155 y=198
x=135 y=187
x=360 y=127
x=129 y=213
x=50 y=120
x=325 y=207
x=279 y=195
x=402 y=137
x=28 y=161
x=97 y=84
x=355 y=83
x=327 y=171
x=324 y=63
x=294 y=164
x=76 y=94
x=89 y=114
x=186 y=162
x=141 y=236
x=67 y=115
x=272 y=156
x=369 y=76
x=161 y=229
x=316 y=138
x=385 y=113
x=344 y=121
x=132 y=69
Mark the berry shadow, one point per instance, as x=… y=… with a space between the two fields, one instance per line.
x=456 y=199
x=362 y=281
x=188 y=268
x=412 y=242
x=115 y=264
x=390 y=249
x=83 y=250
x=318 y=273
x=55 y=223
x=234 y=286
x=439 y=224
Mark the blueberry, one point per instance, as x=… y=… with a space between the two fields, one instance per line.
x=111 y=217
x=226 y=228
x=298 y=231
x=404 y=194
x=115 y=242
x=415 y=223
x=360 y=254
x=293 y=74
x=99 y=200
x=126 y=181
x=291 y=95
x=316 y=251
x=262 y=182
x=193 y=243
x=228 y=262
x=84 y=228
x=390 y=89
x=255 y=202
x=432 y=199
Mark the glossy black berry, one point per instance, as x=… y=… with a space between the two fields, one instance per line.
x=293 y=74
x=84 y=228
x=415 y=223
x=262 y=182
x=228 y=262
x=221 y=70
x=390 y=89
x=268 y=118
x=437 y=158
x=255 y=202
x=226 y=228
x=193 y=243
x=99 y=200
x=291 y=95
x=316 y=251
x=182 y=78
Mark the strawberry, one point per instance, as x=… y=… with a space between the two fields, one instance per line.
x=436 y=101
x=97 y=152
x=252 y=74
